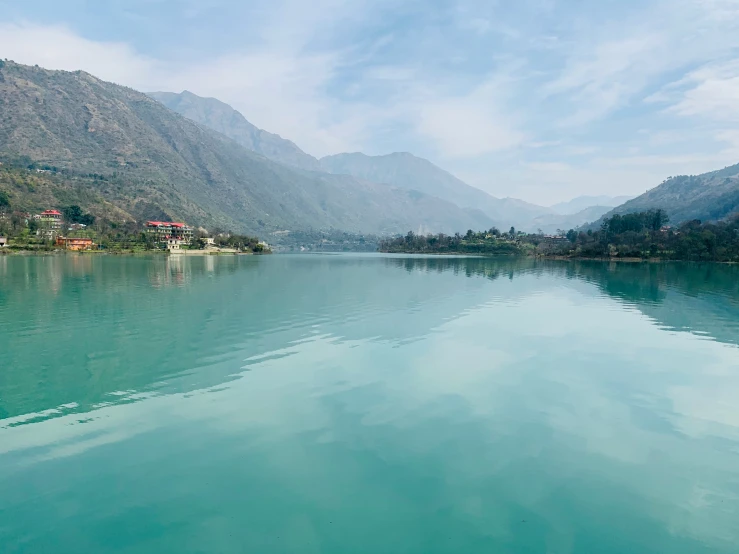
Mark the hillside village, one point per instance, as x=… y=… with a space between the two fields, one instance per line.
x=70 y=229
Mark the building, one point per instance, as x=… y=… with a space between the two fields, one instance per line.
x=174 y=244
x=3 y=242
x=209 y=241
x=71 y=243
x=163 y=231
x=51 y=219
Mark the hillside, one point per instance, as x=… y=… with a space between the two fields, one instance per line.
x=400 y=170
x=709 y=197
x=157 y=161
x=581 y=203
x=551 y=223
x=223 y=118
x=408 y=171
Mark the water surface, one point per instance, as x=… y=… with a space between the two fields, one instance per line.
x=367 y=404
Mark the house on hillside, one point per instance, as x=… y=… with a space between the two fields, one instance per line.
x=50 y=219
x=164 y=231
x=174 y=244
x=3 y=242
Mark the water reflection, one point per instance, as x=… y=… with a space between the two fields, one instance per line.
x=471 y=404
x=103 y=324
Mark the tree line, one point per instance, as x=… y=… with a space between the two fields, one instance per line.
x=641 y=235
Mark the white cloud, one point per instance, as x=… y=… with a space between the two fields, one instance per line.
x=713 y=92
x=56 y=47
x=469 y=125
x=279 y=90
x=518 y=106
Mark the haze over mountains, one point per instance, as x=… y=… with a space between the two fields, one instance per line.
x=180 y=156
x=585 y=202
x=400 y=169
x=156 y=161
x=223 y=118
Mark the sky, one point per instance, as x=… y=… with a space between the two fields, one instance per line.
x=542 y=100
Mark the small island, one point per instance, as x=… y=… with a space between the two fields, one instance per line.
x=636 y=236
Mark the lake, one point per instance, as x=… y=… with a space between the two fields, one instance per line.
x=367 y=404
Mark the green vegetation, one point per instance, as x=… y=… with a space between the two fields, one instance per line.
x=492 y=242
x=641 y=235
x=143 y=161
x=709 y=197
x=74 y=214
x=325 y=241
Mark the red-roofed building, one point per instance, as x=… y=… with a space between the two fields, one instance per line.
x=51 y=219
x=168 y=231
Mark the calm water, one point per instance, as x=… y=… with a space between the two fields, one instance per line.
x=348 y=404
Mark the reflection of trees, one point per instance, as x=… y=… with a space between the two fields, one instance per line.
x=133 y=322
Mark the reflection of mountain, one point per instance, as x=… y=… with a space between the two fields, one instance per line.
x=700 y=298
x=87 y=327
x=121 y=324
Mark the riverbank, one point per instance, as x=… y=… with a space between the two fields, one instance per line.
x=62 y=252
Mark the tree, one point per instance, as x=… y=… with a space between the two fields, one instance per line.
x=73 y=214
x=4 y=201
x=512 y=232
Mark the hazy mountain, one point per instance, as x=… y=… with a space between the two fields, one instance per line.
x=400 y=169
x=583 y=202
x=551 y=223
x=708 y=197
x=223 y=118
x=152 y=160
x=410 y=172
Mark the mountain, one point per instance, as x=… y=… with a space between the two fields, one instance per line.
x=146 y=159
x=551 y=223
x=400 y=170
x=410 y=172
x=583 y=202
x=223 y=118
x=708 y=197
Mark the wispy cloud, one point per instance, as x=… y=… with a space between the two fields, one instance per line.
x=469 y=125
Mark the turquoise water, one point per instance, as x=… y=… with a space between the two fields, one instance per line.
x=367 y=404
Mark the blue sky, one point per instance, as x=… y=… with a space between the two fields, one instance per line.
x=537 y=99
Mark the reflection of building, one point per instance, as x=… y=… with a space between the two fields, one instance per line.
x=163 y=231
x=75 y=243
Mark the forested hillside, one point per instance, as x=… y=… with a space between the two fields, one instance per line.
x=153 y=160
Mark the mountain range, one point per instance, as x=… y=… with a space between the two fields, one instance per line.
x=179 y=156
x=581 y=203
x=709 y=197
x=161 y=162
x=400 y=169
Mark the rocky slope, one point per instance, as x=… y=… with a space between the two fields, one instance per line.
x=162 y=162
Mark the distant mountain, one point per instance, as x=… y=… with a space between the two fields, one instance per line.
x=140 y=159
x=551 y=223
x=708 y=197
x=223 y=118
x=410 y=172
x=400 y=170
x=583 y=202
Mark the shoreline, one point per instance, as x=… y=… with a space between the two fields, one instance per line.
x=559 y=258
x=14 y=252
